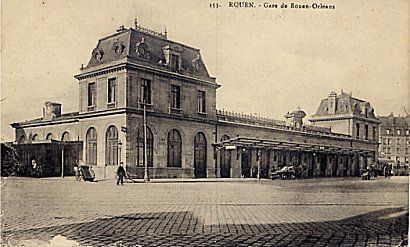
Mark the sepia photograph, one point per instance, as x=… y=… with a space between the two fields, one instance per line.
x=204 y=123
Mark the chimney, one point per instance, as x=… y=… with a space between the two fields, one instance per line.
x=331 y=101
x=51 y=110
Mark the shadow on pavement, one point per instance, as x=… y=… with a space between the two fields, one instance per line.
x=382 y=227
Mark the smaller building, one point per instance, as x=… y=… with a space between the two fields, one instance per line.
x=395 y=142
x=347 y=115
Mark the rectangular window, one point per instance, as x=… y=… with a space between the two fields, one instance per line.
x=145 y=91
x=406 y=150
x=175 y=62
x=201 y=101
x=389 y=141
x=385 y=141
x=398 y=141
x=374 y=134
x=357 y=131
x=398 y=150
x=406 y=160
x=92 y=93
x=389 y=150
x=387 y=131
x=366 y=131
x=175 y=97
x=407 y=132
x=112 y=86
x=398 y=132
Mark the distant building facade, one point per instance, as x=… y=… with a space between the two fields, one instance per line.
x=395 y=142
x=347 y=115
x=186 y=135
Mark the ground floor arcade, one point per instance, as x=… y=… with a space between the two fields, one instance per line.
x=254 y=157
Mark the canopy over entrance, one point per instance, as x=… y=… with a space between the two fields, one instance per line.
x=273 y=144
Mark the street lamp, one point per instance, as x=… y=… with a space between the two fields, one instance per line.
x=146 y=176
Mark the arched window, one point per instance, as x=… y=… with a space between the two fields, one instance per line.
x=225 y=158
x=65 y=136
x=35 y=137
x=174 y=148
x=22 y=139
x=91 y=147
x=49 y=136
x=200 y=155
x=140 y=147
x=111 y=146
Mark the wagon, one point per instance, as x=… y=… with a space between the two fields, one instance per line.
x=287 y=172
x=84 y=173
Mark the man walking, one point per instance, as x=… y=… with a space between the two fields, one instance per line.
x=120 y=174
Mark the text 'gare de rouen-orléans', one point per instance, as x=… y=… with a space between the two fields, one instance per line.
x=187 y=137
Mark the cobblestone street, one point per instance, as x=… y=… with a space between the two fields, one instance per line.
x=242 y=212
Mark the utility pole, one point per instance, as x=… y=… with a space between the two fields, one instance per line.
x=146 y=176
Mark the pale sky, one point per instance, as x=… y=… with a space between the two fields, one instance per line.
x=267 y=61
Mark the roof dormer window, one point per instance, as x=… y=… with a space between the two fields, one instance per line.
x=175 y=62
x=172 y=54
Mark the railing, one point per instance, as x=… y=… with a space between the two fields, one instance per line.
x=149 y=31
x=234 y=117
x=231 y=116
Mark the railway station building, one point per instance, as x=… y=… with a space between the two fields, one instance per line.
x=187 y=137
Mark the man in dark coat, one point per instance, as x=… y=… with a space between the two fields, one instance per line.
x=120 y=174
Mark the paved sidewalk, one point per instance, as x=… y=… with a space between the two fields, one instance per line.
x=231 y=212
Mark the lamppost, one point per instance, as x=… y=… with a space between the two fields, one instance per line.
x=146 y=177
x=119 y=151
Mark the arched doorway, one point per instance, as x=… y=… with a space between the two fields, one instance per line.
x=200 y=155
x=225 y=159
x=174 y=148
x=139 y=159
x=91 y=147
x=111 y=146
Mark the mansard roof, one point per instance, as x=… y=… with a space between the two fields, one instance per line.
x=346 y=104
x=146 y=48
x=392 y=121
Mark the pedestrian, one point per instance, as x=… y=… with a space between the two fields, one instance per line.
x=120 y=174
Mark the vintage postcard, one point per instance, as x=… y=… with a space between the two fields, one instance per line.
x=205 y=123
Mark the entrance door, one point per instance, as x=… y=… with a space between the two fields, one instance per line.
x=323 y=164
x=225 y=163
x=200 y=156
x=245 y=165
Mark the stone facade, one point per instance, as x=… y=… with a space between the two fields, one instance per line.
x=395 y=142
x=135 y=71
